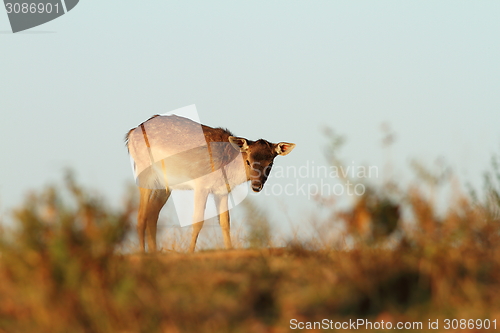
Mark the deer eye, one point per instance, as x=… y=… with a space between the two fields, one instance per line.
x=248 y=162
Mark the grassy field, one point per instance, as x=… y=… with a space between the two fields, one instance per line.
x=63 y=269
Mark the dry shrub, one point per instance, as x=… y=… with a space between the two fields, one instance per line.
x=63 y=269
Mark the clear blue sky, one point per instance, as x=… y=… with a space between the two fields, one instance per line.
x=281 y=70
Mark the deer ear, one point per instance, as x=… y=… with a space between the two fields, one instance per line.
x=239 y=143
x=284 y=148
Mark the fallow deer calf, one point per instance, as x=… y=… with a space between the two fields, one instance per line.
x=176 y=153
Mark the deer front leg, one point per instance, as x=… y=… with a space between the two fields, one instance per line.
x=200 y=201
x=222 y=209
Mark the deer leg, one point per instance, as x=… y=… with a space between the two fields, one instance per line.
x=142 y=215
x=222 y=208
x=157 y=201
x=200 y=201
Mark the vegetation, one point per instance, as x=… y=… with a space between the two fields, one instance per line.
x=64 y=269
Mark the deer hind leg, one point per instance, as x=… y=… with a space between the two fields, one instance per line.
x=222 y=208
x=150 y=204
x=157 y=200
x=200 y=202
x=142 y=215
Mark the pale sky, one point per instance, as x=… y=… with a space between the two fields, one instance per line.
x=281 y=70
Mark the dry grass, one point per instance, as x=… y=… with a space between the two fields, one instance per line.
x=63 y=270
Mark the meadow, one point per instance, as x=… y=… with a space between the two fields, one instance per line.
x=64 y=268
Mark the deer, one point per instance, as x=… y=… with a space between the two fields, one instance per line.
x=171 y=152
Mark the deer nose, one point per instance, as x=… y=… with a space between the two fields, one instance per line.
x=257 y=188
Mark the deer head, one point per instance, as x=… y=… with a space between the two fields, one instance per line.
x=259 y=156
